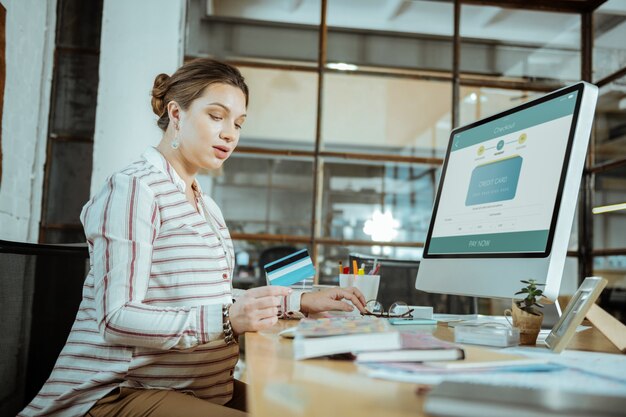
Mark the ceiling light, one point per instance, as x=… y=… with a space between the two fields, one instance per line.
x=342 y=66
x=473 y=98
x=606 y=209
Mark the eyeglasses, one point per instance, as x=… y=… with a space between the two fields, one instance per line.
x=399 y=309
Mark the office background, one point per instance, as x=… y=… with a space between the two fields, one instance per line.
x=351 y=105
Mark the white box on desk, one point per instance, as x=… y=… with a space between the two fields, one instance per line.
x=418 y=312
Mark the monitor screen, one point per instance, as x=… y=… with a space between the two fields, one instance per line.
x=501 y=182
x=507 y=197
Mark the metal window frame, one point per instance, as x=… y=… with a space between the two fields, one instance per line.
x=584 y=8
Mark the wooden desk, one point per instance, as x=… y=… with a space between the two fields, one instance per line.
x=280 y=386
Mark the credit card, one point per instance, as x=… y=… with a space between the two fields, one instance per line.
x=290 y=269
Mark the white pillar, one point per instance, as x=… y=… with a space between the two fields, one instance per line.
x=139 y=40
x=30 y=36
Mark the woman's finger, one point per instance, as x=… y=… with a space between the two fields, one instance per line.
x=264 y=313
x=357 y=293
x=266 y=323
x=268 y=290
x=339 y=305
x=357 y=303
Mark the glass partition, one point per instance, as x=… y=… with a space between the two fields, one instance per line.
x=513 y=43
x=613 y=268
x=386 y=110
x=609 y=218
x=613 y=297
x=390 y=34
x=377 y=201
x=476 y=103
x=282 y=109
x=610 y=122
x=266 y=195
x=243 y=29
x=609 y=49
x=384 y=115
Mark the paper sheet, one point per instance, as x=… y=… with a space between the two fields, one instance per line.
x=605 y=365
x=589 y=372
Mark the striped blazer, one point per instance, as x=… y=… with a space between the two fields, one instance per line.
x=151 y=313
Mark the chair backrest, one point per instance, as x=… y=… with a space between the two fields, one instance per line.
x=40 y=291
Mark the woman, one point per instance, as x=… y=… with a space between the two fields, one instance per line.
x=156 y=330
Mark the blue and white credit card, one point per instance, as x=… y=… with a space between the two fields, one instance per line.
x=290 y=269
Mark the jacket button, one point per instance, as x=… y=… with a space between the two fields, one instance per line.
x=225 y=276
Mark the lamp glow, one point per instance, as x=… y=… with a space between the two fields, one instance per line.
x=381 y=227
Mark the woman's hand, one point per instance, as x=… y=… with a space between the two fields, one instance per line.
x=330 y=299
x=257 y=309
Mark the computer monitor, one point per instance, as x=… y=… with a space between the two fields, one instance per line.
x=507 y=196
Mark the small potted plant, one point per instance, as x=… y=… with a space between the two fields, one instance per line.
x=526 y=314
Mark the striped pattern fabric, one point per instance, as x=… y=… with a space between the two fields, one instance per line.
x=151 y=313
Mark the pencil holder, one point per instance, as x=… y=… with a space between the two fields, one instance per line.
x=367 y=284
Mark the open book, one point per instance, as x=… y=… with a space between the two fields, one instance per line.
x=331 y=336
x=415 y=347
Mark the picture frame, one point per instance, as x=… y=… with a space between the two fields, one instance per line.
x=584 y=297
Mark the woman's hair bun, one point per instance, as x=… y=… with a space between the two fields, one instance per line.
x=159 y=90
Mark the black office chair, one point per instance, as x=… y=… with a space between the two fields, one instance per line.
x=40 y=292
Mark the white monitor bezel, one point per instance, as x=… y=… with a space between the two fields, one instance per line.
x=557 y=204
x=498 y=274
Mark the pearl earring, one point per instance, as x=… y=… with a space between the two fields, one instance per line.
x=176 y=142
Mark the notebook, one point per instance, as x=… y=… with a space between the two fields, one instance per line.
x=337 y=335
x=416 y=347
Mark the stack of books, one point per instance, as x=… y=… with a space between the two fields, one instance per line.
x=368 y=340
x=415 y=347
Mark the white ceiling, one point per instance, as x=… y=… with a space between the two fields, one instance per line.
x=429 y=17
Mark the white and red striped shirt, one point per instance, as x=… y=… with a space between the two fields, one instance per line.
x=151 y=314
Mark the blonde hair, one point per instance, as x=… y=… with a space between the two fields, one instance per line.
x=188 y=83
